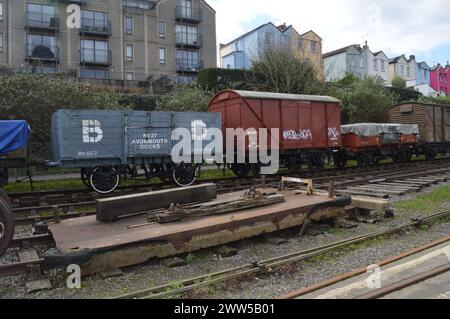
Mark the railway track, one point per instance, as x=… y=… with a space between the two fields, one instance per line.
x=44 y=200
x=191 y=284
x=379 y=183
x=384 y=291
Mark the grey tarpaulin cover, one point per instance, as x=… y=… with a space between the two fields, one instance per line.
x=374 y=129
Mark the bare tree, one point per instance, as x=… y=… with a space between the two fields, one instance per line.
x=281 y=71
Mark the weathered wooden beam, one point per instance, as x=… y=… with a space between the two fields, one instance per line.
x=217 y=208
x=110 y=209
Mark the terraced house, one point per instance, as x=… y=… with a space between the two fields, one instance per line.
x=128 y=41
x=356 y=60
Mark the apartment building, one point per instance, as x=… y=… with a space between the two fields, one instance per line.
x=123 y=40
x=241 y=52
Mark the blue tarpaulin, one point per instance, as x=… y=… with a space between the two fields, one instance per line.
x=14 y=135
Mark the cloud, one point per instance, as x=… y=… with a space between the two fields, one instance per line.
x=397 y=27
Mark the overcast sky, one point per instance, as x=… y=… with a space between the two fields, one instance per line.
x=420 y=27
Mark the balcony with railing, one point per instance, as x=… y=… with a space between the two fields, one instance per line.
x=95 y=57
x=188 y=14
x=42 y=52
x=94 y=27
x=189 y=65
x=42 y=22
x=189 y=40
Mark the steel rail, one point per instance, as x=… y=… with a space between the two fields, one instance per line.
x=133 y=188
x=360 y=271
x=405 y=283
x=265 y=265
x=361 y=178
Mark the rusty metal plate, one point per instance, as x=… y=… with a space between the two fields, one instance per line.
x=87 y=233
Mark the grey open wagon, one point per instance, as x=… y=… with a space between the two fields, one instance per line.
x=108 y=144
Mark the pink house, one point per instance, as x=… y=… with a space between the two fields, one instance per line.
x=440 y=77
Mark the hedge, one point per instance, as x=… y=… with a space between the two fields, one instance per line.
x=217 y=79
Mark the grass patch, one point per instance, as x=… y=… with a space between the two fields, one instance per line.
x=432 y=202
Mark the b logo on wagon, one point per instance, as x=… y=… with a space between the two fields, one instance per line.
x=92 y=132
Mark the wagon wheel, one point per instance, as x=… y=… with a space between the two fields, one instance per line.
x=5 y=198
x=340 y=159
x=3 y=176
x=241 y=170
x=430 y=154
x=104 y=180
x=184 y=175
x=316 y=163
x=85 y=173
x=6 y=226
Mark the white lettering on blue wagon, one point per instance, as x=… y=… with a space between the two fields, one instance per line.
x=92 y=132
x=199 y=130
x=149 y=141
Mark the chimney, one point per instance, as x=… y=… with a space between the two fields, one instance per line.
x=366 y=46
x=282 y=27
x=412 y=57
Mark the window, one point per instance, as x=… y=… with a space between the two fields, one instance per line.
x=382 y=65
x=162 y=56
x=313 y=46
x=128 y=25
x=236 y=46
x=162 y=29
x=268 y=40
x=42 y=46
x=1 y=42
x=94 y=73
x=402 y=69
x=129 y=53
x=284 y=41
x=94 y=20
x=1 y=10
x=186 y=6
x=361 y=62
x=129 y=76
x=408 y=71
x=188 y=60
x=375 y=64
x=187 y=34
x=40 y=15
x=95 y=51
x=300 y=44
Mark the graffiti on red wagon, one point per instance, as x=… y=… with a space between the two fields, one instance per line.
x=298 y=135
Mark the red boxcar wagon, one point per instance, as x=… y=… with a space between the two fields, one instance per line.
x=309 y=126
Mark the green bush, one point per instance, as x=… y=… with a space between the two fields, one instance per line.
x=398 y=82
x=363 y=100
x=139 y=102
x=217 y=79
x=35 y=98
x=435 y=100
x=404 y=95
x=185 y=98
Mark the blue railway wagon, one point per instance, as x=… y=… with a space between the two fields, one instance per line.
x=14 y=137
x=108 y=144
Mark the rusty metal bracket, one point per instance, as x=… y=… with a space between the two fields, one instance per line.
x=307 y=182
